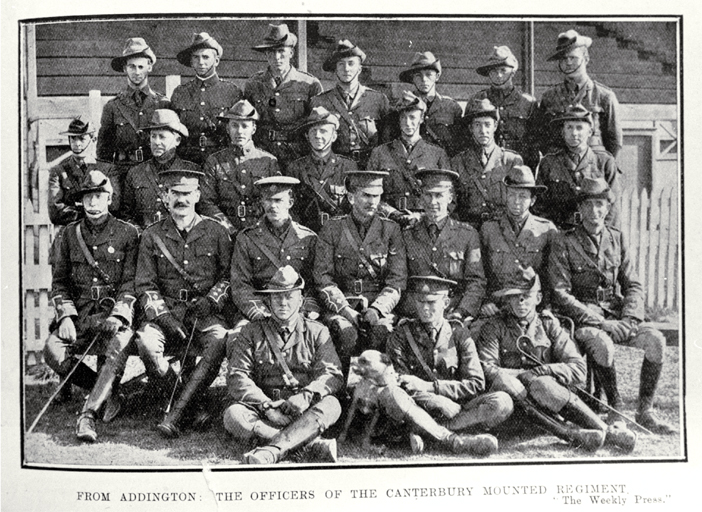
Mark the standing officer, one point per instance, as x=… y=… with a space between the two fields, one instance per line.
x=402 y=158
x=360 y=109
x=92 y=292
x=200 y=101
x=281 y=95
x=182 y=282
x=578 y=88
x=322 y=173
x=440 y=246
x=594 y=283
x=443 y=114
x=228 y=193
x=482 y=167
x=517 y=109
x=360 y=268
x=144 y=198
x=283 y=375
x=564 y=170
x=121 y=139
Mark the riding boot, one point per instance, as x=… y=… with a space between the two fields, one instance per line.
x=588 y=439
x=617 y=434
x=650 y=375
x=83 y=377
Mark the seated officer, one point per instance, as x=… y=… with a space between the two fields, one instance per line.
x=182 y=281
x=360 y=268
x=441 y=246
x=92 y=291
x=594 y=283
x=439 y=368
x=532 y=358
x=564 y=170
x=482 y=167
x=143 y=197
x=283 y=375
x=322 y=173
x=402 y=158
x=227 y=189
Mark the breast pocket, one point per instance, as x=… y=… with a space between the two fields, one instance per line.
x=456 y=262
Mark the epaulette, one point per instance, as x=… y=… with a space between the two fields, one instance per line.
x=316 y=323
x=431 y=144
x=305 y=73
x=547 y=313
x=385 y=219
x=339 y=217
x=555 y=153
x=263 y=152
x=257 y=74
x=404 y=320
x=122 y=221
x=528 y=96
x=251 y=227
x=602 y=151
x=341 y=157
x=600 y=84
x=304 y=228
x=508 y=151
x=154 y=223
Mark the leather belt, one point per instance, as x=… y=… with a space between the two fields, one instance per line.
x=99 y=292
x=129 y=156
x=359 y=286
x=280 y=136
x=358 y=154
x=597 y=294
x=204 y=141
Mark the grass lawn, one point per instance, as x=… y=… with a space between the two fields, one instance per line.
x=131 y=440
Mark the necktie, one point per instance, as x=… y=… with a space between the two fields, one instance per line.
x=278 y=80
x=284 y=333
x=138 y=98
x=523 y=324
x=484 y=158
x=347 y=99
x=433 y=232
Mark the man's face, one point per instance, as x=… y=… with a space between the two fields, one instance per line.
x=500 y=75
x=204 y=61
x=138 y=70
x=483 y=130
x=365 y=201
x=80 y=143
x=425 y=80
x=95 y=204
x=524 y=304
x=436 y=203
x=241 y=131
x=182 y=202
x=348 y=69
x=576 y=133
x=410 y=120
x=574 y=61
x=277 y=206
x=519 y=200
x=321 y=136
x=594 y=212
x=285 y=305
x=279 y=58
x=431 y=307
x=163 y=141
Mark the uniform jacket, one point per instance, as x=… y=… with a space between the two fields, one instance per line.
x=401 y=183
x=118 y=140
x=254 y=372
x=551 y=344
x=455 y=255
x=578 y=268
x=205 y=255
x=228 y=186
x=339 y=270
x=322 y=188
x=563 y=177
x=453 y=359
x=252 y=269
x=77 y=289
x=481 y=191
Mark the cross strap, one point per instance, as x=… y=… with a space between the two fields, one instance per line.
x=266 y=251
x=89 y=257
x=361 y=256
x=288 y=377
x=187 y=277
x=417 y=353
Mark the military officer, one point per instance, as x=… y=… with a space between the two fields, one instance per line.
x=533 y=359
x=595 y=284
x=518 y=239
x=402 y=158
x=182 y=283
x=441 y=246
x=443 y=115
x=438 y=366
x=121 y=139
x=322 y=173
x=360 y=268
x=281 y=95
x=92 y=292
x=360 y=109
x=517 y=109
x=283 y=375
x=200 y=101
x=482 y=167
x=564 y=170
x=144 y=197
x=228 y=192
x=577 y=87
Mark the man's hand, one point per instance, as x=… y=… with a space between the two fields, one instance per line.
x=406 y=218
x=272 y=412
x=411 y=383
x=351 y=315
x=172 y=328
x=67 y=330
x=618 y=330
x=371 y=316
x=296 y=404
x=202 y=307
x=109 y=326
x=489 y=309
x=459 y=317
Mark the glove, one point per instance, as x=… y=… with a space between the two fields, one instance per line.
x=459 y=317
x=296 y=404
x=172 y=328
x=489 y=309
x=202 y=307
x=109 y=326
x=410 y=383
x=526 y=377
x=405 y=218
x=618 y=330
x=371 y=316
x=272 y=412
x=67 y=330
x=351 y=315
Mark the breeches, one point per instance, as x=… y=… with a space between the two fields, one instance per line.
x=599 y=345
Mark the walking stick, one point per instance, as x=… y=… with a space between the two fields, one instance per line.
x=180 y=373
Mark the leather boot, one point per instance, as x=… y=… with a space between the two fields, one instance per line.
x=608 y=380
x=617 y=435
x=588 y=439
x=83 y=377
x=85 y=428
x=481 y=445
x=650 y=375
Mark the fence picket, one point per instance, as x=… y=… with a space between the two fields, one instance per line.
x=663 y=247
x=643 y=234
x=654 y=238
x=673 y=264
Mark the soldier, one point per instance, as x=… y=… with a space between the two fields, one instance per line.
x=283 y=375
x=517 y=109
x=360 y=268
x=444 y=247
x=564 y=170
x=121 y=139
x=594 y=283
x=228 y=191
x=482 y=167
x=360 y=109
x=443 y=114
x=439 y=368
x=92 y=292
x=182 y=282
x=144 y=198
x=402 y=158
x=518 y=239
x=578 y=88
x=281 y=95
x=200 y=101
x=322 y=173
x=533 y=359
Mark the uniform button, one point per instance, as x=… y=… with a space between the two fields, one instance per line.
x=277 y=110
x=361 y=249
x=243 y=186
x=203 y=89
x=360 y=265
x=94 y=279
x=279 y=143
x=243 y=171
x=202 y=103
x=516 y=261
x=186 y=246
x=483 y=176
x=350 y=113
x=160 y=185
x=516 y=245
x=202 y=119
x=141 y=113
x=158 y=199
x=94 y=247
x=277 y=94
x=185 y=262
x=409 y=161
x=484 y=204
x=433 y=249
x=288 y=257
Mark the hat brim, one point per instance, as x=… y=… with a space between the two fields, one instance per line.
x=562 y=119
x=119 y=62
x=309 y=124
x=78 y=134
x=330 y=64
x=183 y=56
x=183 y=131
x=537 y=189
x=407 y=75
x=290 y=40
x=85 y=191
x=469 y=116
x=299 y=285
x=608 y=195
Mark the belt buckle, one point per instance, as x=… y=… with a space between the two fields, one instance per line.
x=276 y=394
x=95 y=292
x=577 y=218
x=139 y=155
x=241 y=211
x=402 y=203
x=358 y=286
x=183 y=295
x=202 y=141
x=356 y=155
x=323 y=217
x=271 y=135
x=485 y=216
x=601 y=295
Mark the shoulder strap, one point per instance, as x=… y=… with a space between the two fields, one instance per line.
x=425 y=256
x=266 y=251
x=343 y=112
x=89 y=257
x=361 y=256
x=288 y=377
x=417 y=353
x=187 y=277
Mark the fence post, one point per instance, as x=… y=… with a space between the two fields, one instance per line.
x=643 y=235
